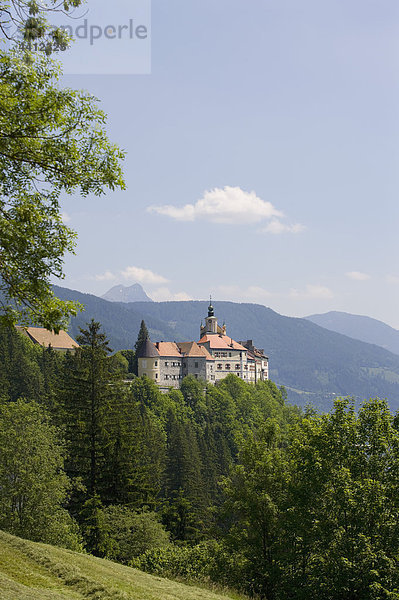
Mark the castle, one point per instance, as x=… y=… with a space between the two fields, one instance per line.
x=212 y=358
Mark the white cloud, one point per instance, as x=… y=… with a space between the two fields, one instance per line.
x=312 y=291
x=357 y=276
x=252 y=293
x=107 y=276
x=65 y=217
x=230 y=205
x=137 y=274
x=276 y=227
x=392 y=279
x=163 y=294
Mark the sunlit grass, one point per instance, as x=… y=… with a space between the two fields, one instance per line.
x=30 y=571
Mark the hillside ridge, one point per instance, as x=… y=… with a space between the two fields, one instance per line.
x=312 y=362
x=360 y=327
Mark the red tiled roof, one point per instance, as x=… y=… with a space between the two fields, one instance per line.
x=205 y=351
x=168 y=349
x=221 y=342
x=193 y=349
x=190 y=348
x=58 y=341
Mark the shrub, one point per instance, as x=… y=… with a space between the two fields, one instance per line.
x=133 y=533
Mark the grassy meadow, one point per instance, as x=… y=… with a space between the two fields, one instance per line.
x=32 y=571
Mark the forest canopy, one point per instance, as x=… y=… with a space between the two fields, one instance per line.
x=223 y=483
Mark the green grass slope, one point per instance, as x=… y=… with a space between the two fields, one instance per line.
x=31 y=571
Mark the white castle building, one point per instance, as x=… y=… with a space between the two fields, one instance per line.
x=212 y=358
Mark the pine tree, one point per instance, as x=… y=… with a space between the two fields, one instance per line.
x=87 y=394
x=184 y=486
x=135 y=453
x=142 y=337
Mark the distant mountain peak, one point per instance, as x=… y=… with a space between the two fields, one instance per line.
x=122 y=293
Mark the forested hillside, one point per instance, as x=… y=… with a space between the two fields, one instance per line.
x=225 y=485
x=128 y=446
x=314 y=364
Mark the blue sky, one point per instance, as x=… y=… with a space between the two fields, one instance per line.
x=262 y=155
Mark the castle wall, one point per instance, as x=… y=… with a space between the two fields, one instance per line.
x=149 y=367
x=171 y=371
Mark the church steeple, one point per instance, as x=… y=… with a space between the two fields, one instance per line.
x=211 y=311
x=211 y=323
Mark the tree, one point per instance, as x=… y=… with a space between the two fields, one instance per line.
x=142 y=337
x=33 y=484
x=342 y=525
x=135 y=453
x=129 y=355
x=29 y=18
x=94 y=527
x=87 y=394
x=185 y=508
x=316 y=513
x=52 y=143
x=133 y=533
x=255 y=500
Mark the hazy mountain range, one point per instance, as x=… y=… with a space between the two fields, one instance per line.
x=315 y=364
x=360 y=327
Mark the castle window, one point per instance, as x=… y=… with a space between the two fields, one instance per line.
x=166 y=363
x=229 y=353
x=228 y=366
x=196 y=365
x=219 y=365
x=156 y=375
x=156 y=363
x=237 y=367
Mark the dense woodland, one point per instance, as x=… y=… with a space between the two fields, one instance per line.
x=225 y=484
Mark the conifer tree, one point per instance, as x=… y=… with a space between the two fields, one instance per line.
x=87 y=394
x=184 y=485
x=135 y=452
x=142 y=337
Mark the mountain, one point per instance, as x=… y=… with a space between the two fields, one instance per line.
x=32 y=571
x=122 y=293
x=120 y=320
x=359 y=327
x=313 y=363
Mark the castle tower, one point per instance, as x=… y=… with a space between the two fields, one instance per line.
x=211 y=323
